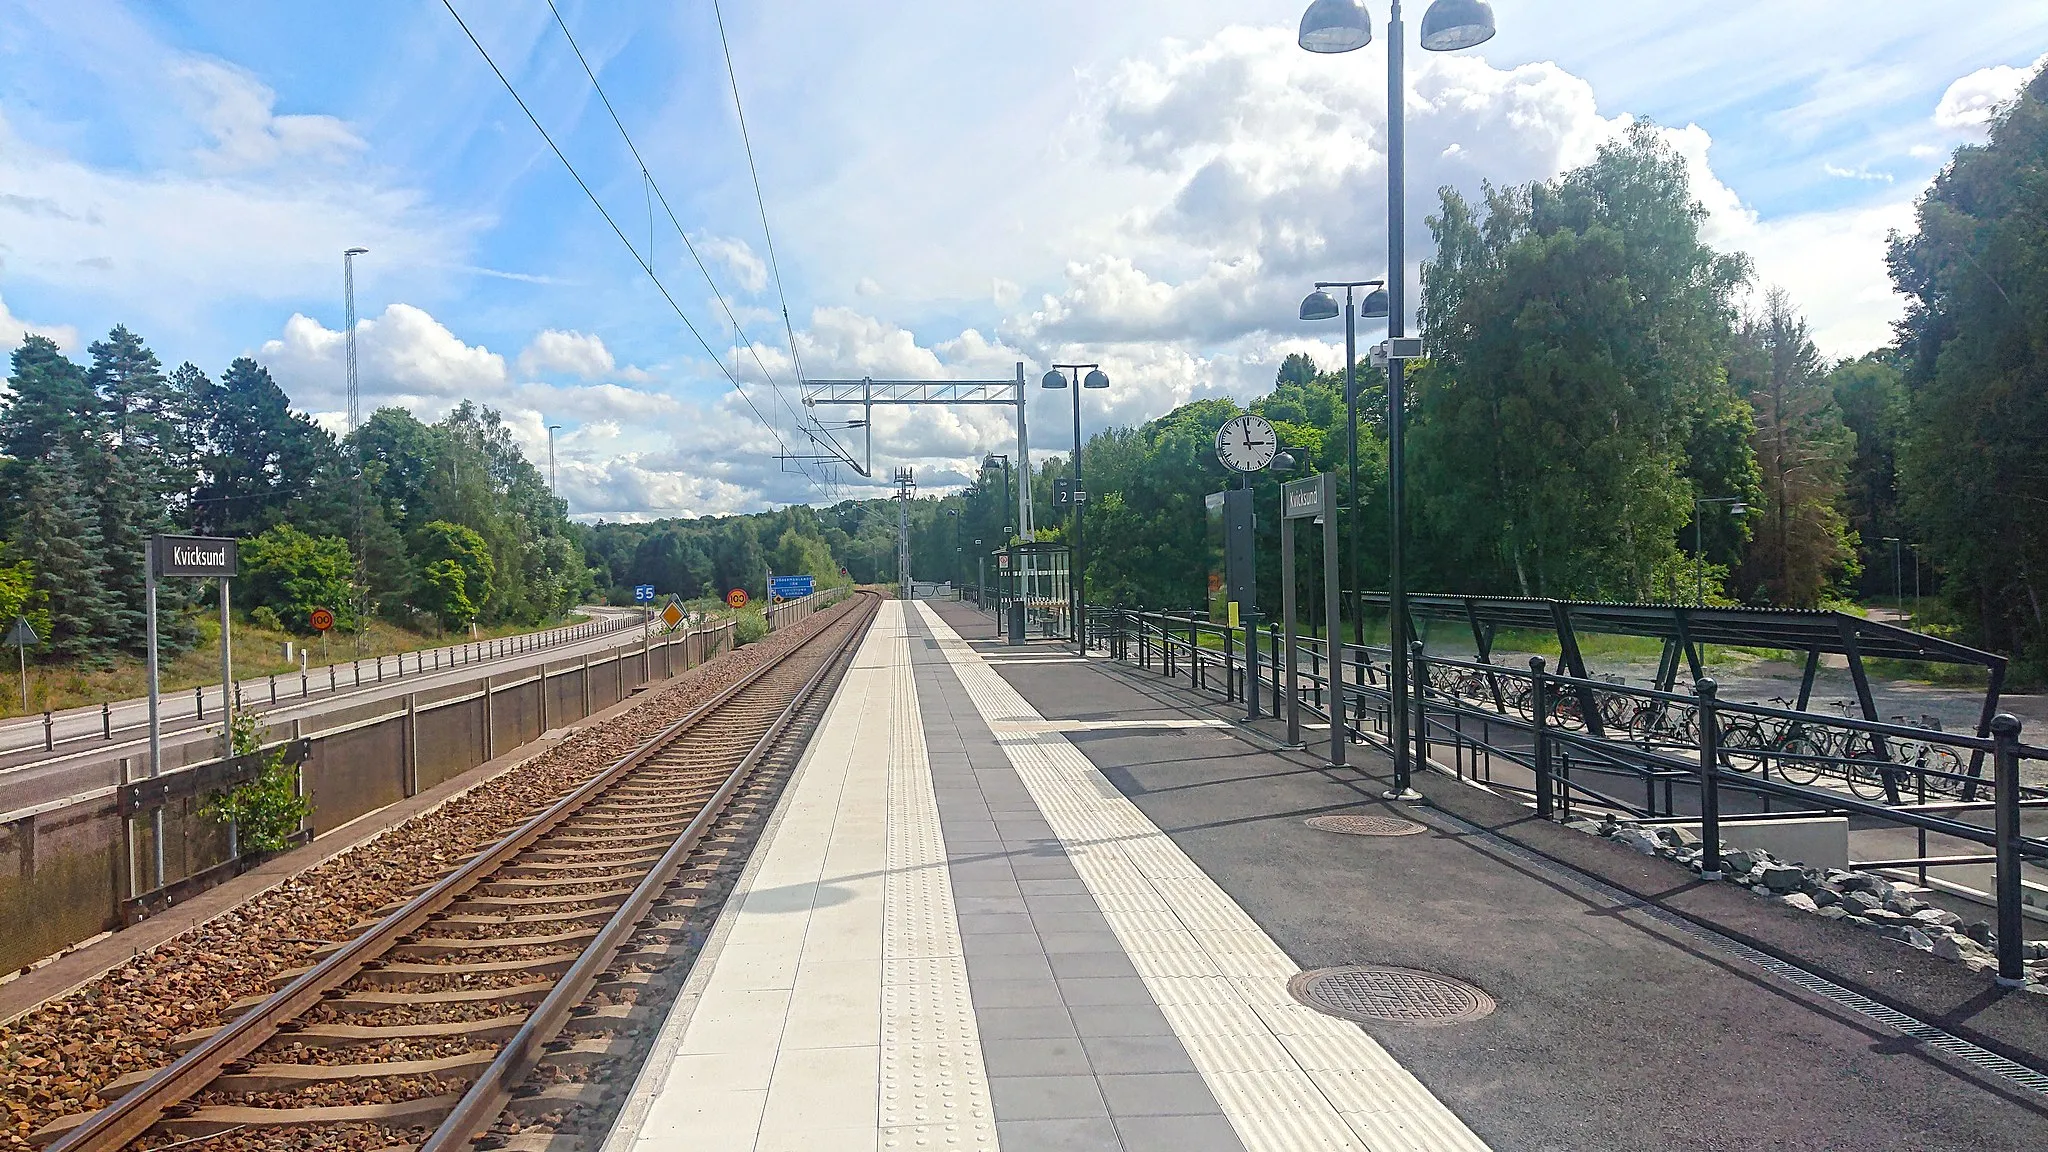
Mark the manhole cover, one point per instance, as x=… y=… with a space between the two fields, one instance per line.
x=1389 y=995
x=1364 y=824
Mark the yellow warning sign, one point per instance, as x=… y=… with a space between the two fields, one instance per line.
x=672 y=613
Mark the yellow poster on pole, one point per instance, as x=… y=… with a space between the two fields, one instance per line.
x=1233 y=614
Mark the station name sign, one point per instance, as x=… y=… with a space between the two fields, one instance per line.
x=194 y=556
x=1304 y=498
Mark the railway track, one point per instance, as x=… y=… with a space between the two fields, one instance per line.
x=506 y=1004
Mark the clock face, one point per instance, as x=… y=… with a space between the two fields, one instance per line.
x=1246 y=444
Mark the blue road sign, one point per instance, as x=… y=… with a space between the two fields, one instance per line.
x=643 y=593
x=791 y=587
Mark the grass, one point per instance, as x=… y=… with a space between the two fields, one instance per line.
x=257 y=652
x=1598 y=648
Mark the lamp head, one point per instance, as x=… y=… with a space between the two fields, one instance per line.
x=1319 y=305
x=1376 y=306
x=1453 y=24
x=356 y=252
x=1282 y=462
x=1335 y=26
x=1054 y=379
x=1095 y=379
x=1738 y=509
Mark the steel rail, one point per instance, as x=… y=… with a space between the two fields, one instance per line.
x=488 y=1095
x=135 y=1113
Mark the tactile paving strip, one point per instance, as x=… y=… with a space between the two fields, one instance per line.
x=1389 y=995
x=934 y=1091
x=1287 y=1077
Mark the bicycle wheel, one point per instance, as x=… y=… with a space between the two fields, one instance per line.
x=1865 y=774
x=1798 y=757
x=1743 y=747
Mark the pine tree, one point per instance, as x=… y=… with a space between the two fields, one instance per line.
x=139 y=465
x=59 y=533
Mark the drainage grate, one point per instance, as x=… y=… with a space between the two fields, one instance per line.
x=1363 y=824
x=1389 y=995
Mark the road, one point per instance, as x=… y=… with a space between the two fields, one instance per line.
x=85 y=759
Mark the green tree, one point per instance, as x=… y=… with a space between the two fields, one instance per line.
x=1871 y=394
x=1975 y=274
x=1574 y=332
x=58 y=533
x=455 y=573
x=292 y=573
x=1802 y=543
x=262 y=463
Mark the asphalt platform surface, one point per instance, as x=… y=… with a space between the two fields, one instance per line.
x=1613 y=1029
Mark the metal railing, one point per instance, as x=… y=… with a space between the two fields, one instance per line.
x=129 y=718
x=1574 y=746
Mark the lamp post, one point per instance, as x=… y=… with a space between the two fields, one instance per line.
x=1916 y=579
x=361 y=592
x=1076 y=594
x=1699 y=573
x=988 y=464
x=953 y=514
x=1003 y=575
x=553 y=479
x=1332 y=26
x=1898 y=585
x=1320 y=305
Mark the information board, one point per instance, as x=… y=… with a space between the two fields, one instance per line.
x=791 y=587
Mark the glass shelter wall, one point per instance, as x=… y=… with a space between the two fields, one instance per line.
x=1039 y=577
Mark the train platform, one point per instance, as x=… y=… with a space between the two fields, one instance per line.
x=1019 y=898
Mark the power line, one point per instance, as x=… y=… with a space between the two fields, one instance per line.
x=654 y=187
x=767 y=234
x=646 y=266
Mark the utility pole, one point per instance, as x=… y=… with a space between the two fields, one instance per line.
x=906 y=489
x=553 y=478
x=355 y=419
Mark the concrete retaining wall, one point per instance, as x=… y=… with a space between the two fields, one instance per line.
x=69 y=869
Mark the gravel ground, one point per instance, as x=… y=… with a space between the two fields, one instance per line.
x=54 y=1059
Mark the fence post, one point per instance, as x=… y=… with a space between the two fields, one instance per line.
x=49 y=731
x=1230 y=664
x=1420 y=683
x=1710 y=778
x=273 y=687
x=199 y=703
x=2005 y=738
x=412 y=746
x=107 y=722
x=1273 y=646
x=1540 y=727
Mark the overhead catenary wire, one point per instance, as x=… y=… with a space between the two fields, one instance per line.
x=760 y=201
x=646 y=265
x=653 y=186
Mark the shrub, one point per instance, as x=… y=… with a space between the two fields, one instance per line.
x=268 y=810
x=750 y=627
x=262 y=616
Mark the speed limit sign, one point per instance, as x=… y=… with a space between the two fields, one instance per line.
x=737 y=598
x=322 y=619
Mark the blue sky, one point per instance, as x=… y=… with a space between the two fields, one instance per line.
x=952 y=188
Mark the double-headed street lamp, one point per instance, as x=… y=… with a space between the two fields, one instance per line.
x=1057 y=378
x=1331 y=26
x=1320 y=305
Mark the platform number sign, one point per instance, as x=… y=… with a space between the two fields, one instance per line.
x=321 y=619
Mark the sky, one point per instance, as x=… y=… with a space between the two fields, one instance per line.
x=950 y=189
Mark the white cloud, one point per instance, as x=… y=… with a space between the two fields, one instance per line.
x=737 y=258
x=1841 y=173
x=1971 y=102
x=13 y=328
x=238 y=112
x=263 y=213
x=867 y=286
x=579 y=353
